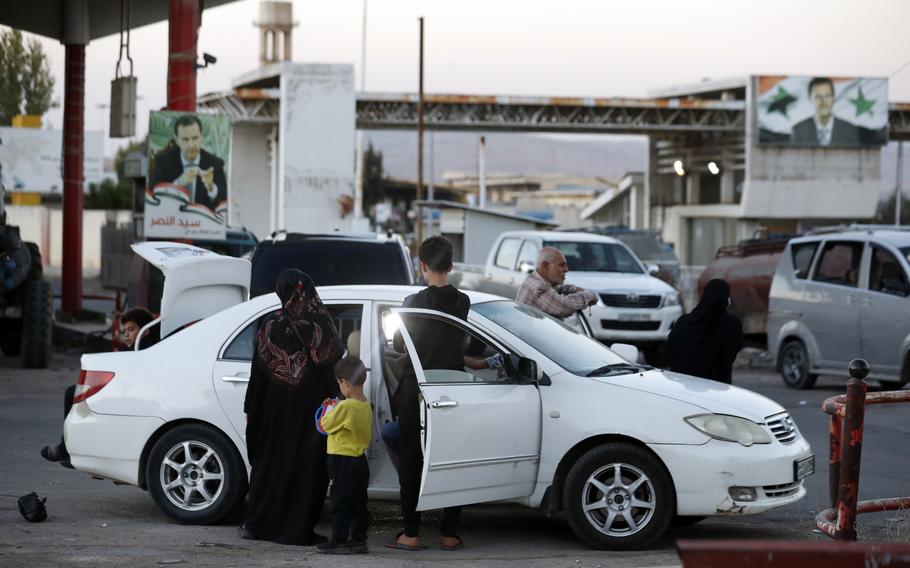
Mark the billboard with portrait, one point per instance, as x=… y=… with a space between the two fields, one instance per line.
x=187 y=191
x=822 y=111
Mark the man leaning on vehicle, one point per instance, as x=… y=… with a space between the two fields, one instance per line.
x=545 y=290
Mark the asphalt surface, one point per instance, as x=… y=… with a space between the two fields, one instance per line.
x=97 y=523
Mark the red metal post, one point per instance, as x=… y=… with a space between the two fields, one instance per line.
x=181 y=66
x=851 y=451
x=73 y=119
x=834 y=441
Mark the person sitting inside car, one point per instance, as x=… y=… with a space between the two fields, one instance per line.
x=132 y=321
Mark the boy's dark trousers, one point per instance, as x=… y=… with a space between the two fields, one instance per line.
x=350 y=478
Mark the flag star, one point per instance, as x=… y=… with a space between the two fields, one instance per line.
x=862 y=104
x=781 y=101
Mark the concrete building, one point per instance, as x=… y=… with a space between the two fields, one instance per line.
x=624 y=205
x=472 y=230
x=699 y=207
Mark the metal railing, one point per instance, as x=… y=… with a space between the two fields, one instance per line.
x=846 y=446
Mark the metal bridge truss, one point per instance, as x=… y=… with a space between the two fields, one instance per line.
x=527 y=114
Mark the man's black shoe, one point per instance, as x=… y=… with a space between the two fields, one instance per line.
x=359 y=547
x=334 y=547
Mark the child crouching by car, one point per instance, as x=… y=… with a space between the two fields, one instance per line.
x=349 y=431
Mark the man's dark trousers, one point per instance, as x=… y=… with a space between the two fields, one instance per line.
x=350 y=477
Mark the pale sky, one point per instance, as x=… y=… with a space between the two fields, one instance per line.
x=529 y=47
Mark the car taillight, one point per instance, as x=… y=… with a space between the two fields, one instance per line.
x=91 y=382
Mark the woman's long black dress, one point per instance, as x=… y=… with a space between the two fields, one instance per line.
x=296 y=349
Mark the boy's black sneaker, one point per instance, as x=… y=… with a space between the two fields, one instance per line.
x=334 y=547
x=359 y=547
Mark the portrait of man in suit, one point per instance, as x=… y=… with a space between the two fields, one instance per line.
x=185 y=163
x=823 y=128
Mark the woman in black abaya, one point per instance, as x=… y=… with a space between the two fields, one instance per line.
x=295 y=351
x=705 y=343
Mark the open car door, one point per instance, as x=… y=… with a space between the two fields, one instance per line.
x=197 y=282
x=481 y=428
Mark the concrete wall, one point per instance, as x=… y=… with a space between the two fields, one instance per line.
x=316 y=140
x=251 y=179
x=481 y=231
x=43 y=225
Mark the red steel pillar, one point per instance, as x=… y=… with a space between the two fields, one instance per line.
x=183 y=22
x=73 y=125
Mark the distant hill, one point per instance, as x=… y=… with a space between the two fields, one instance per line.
x=594 y=156
x=528 y=154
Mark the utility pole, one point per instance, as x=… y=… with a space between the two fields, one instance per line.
x=419 y=195
x=899 y=190
x=358 y=181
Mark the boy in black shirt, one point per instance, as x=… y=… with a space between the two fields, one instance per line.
x=439 y=346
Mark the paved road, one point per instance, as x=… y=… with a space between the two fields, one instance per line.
x=95 y=523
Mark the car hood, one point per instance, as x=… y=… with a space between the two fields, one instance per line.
x=617 y=281
x=715 y=397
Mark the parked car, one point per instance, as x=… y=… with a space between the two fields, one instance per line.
x=838 y=295
x=567 y=424
x=332 y=259
x=647 y=246
x=633 y=307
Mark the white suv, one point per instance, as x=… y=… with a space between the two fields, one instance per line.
x=839 y=295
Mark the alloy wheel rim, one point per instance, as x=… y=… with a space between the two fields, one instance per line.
x=618 y=500
x=192 y=475
x=793 y=365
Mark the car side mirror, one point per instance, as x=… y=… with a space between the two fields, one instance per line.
x=525 y=370
x=653 y=269
x=526 y=267
x=626 y=351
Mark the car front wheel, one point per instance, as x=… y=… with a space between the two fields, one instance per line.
x=794 y=366
x=195 y=475
x=618 y=496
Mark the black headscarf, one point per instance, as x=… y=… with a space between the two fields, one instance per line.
x=705 y=342
x=300 y=335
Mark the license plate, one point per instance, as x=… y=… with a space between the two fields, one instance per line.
x=804 y=467
x=634 y=317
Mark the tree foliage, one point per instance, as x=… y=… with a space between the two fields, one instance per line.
x=26 y=83
x=886 y=210
x=373 y=176
x=109 y=194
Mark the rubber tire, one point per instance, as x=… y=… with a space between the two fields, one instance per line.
x=37 y=325
x=623 y=453
x=807 y=379
x=235 y=478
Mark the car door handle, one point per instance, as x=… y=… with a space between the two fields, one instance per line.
x=867 y=301
x=511 y=280
x=237 y=378
x=849 y=298
x=444 y=403
x=488 y=276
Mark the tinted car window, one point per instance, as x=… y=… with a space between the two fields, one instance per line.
x=329 y=263
x=839 y=263
x=347 y=320
x=508 y=252
x=886 y=274
x=597 y=257
x=802 y=258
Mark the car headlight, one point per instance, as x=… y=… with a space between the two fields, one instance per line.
x=671 y=299
x=730 y=429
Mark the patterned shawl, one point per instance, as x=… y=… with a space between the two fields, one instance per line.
x=299 y=336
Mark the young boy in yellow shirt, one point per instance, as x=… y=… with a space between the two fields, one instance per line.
x=349 y=430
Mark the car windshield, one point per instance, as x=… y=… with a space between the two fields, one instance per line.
x=565 y=346
x=647 y=247
x=597 y=257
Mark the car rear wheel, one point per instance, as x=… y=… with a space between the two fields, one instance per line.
x=794 y=366
x=618 y=496
x=195 y=475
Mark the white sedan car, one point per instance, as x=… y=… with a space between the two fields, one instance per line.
x=565 y=425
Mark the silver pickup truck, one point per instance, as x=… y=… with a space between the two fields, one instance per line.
x=633 y=307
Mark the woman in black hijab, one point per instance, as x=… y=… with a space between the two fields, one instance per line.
x=295 y=350
x=705 y=343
